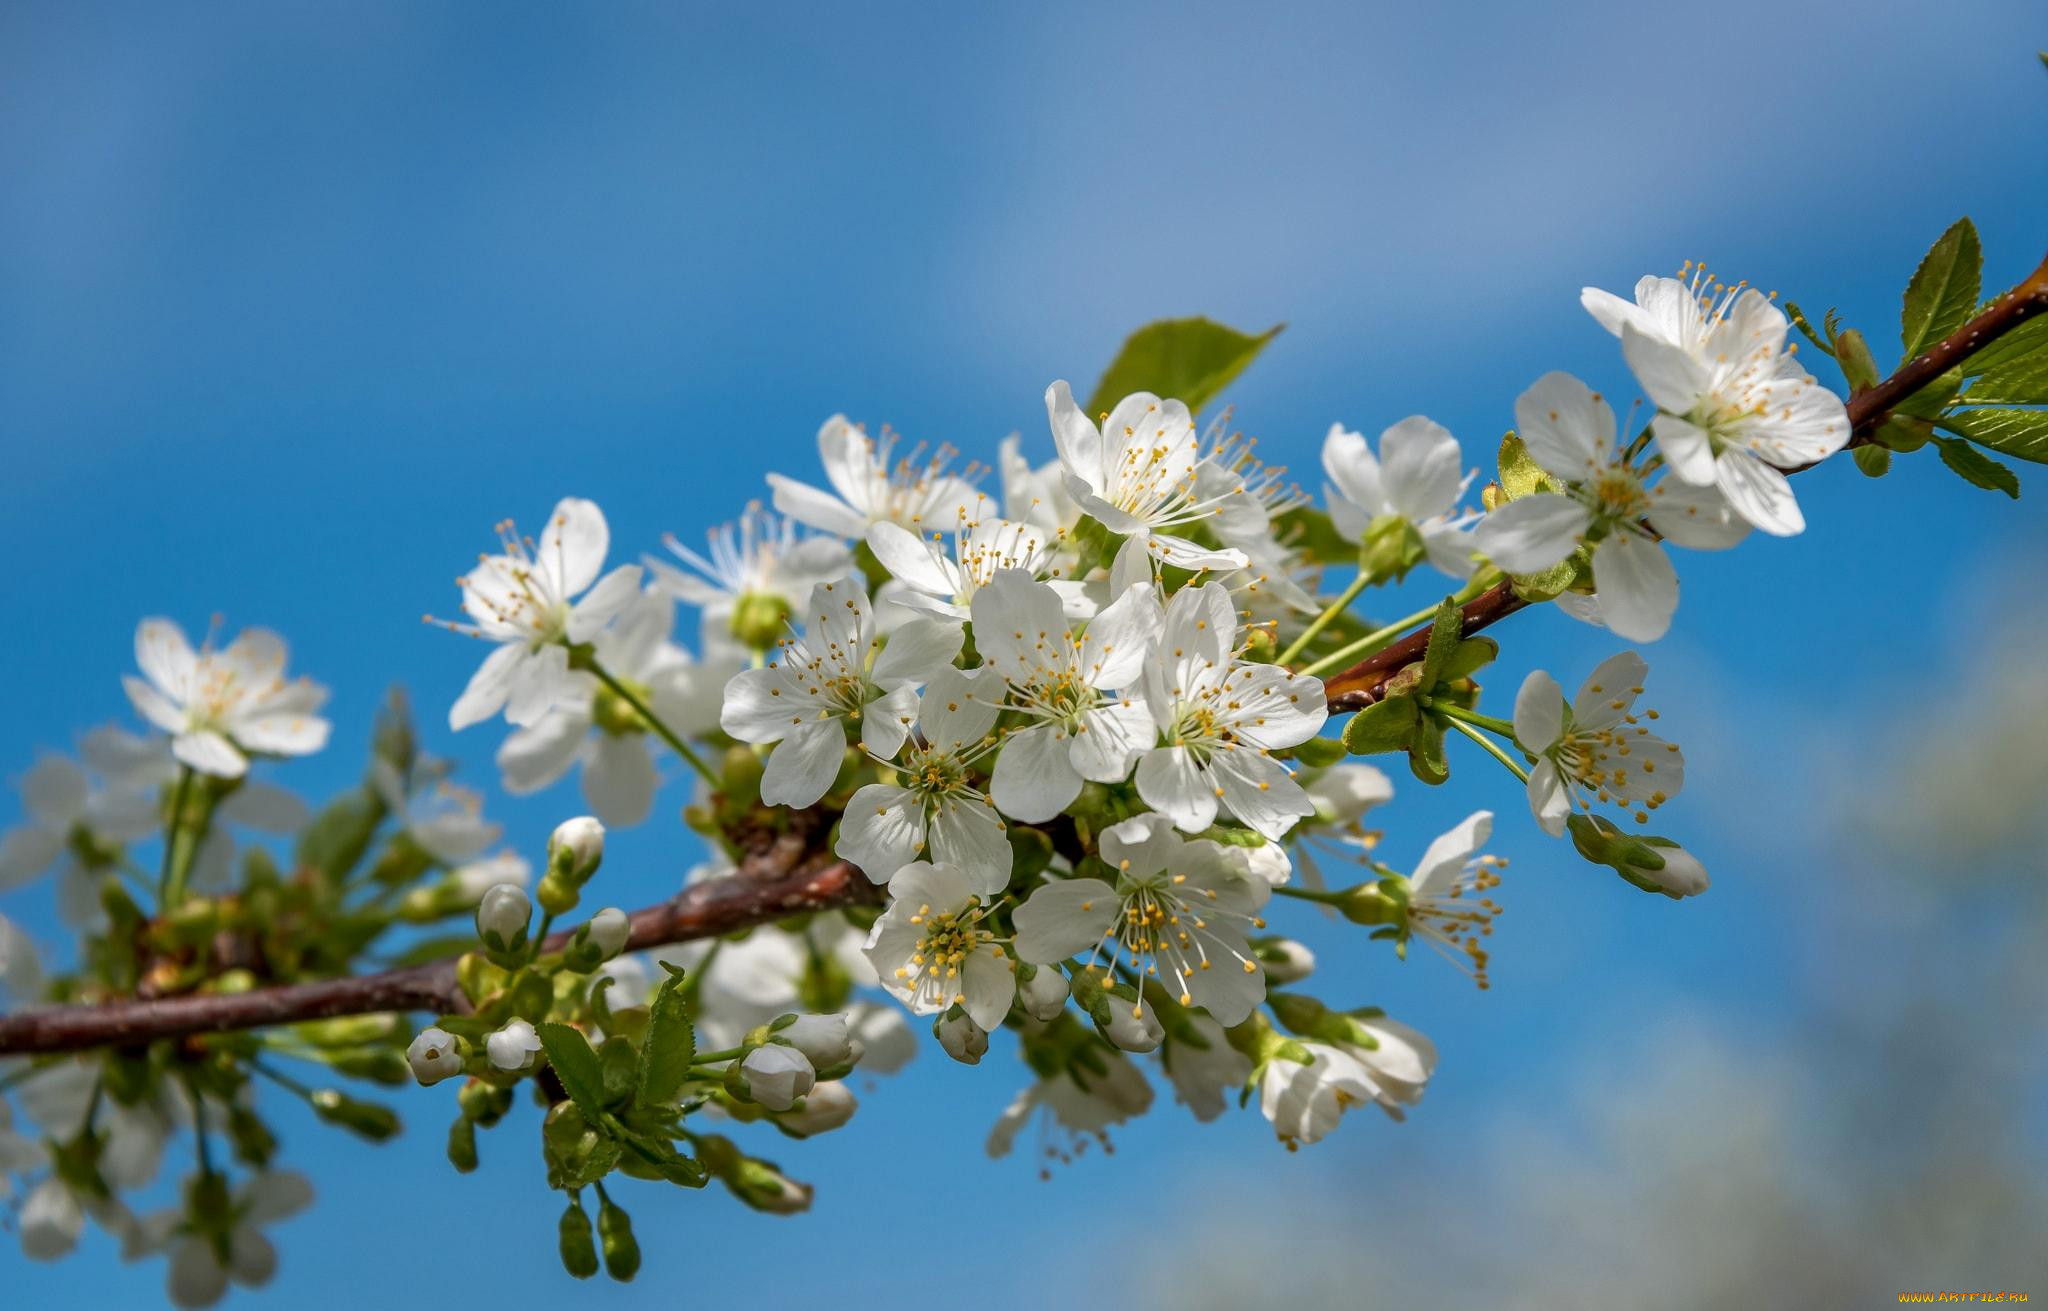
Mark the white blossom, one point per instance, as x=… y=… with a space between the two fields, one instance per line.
x=222 y=706
x=873 y=485
x=760 y=561
x=524 y=599
x=932 y=950
x=21 y=969
x=1179 y=913
x=1037 y=496
x=68 y=823
x=1205 y=1067
x=1305 y=1101
x=1084 y=1101
x=1417 y=477
x=937 y=809
x=1044 y=995
x=1569 y=429
x=1736 y=407
x=836 y=674
x=1448 y=905
x=932 y=580
x=1143 y=474
x=198 y=1276
x=1219 y=718
x=594 y=727
x=1068 y=686
x=1596 y=747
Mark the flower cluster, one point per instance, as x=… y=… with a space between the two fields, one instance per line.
x=1042 y=764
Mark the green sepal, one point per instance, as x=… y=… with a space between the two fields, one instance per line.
x=1426 y=753
x=1469 y=657
x=1873 y=461
x=1444 y=632
x=1388 y=725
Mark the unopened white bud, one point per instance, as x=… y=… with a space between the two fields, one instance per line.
x=826 y=1106
x=1044 y=994
x=775 y=1076
x=502 y=915
x=1133 y=1027
x=1286 y=961
x=608 y=931
x=1268 y=864
x=512 y=1047
x=434 y=1056
x=576 y=848
x=964 y=1040
x=1682 y=875
x=825 y=1040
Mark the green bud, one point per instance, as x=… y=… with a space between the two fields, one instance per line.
x=1320 y=751
x=483 y=1102
x=1857 y=364
x=1259 y=646
x=579 y=1252
x=385 y=1065
x=615 y=1230
x=613 y=714
x=462 y=1144
x=1872 y=461
x=740 y=771
x=576 y=849
x=250 y=1137
x=366 y=1120
x=1392 y=547
x=759 y=620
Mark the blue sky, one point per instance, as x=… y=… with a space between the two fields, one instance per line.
x=296 y=302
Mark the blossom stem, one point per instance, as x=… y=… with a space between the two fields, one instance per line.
x=729 y=1054
x=1369 y=643
x=1487 y=744
x=547 y=921
x=663 y=731
x=181 y=841
x=1488 y=722
x=1322 y=620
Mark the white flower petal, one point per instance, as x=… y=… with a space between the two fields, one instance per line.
x=619 y=780
x=801 y=768
x=1533 y=533
x=1637 y=586
x=1539 y=713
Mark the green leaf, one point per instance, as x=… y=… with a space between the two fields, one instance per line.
x=1189 y=360
x=2023 y=381
x=1975 y=467
x=1944 y=289
x=1931 y=400
x=670 y=1046
x=2022 y=434
x=575 y=1065
x=1444 y=631
x=1383 y=726
x=339 y=835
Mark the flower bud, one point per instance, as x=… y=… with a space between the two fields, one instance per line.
x=576 y=848
x=1133 y=1026
x=501 y=918
x=1286 y=961
x=964 y=1040
x=579 y=1253
x=1681 y=876
x=512 y=1047
x=434 y=1056
x=462 y=1144
x=825 y=1107
x=558 y=895
x=365 y=1120
x=1044 y=994
x=825 y=1040
x=775 y=1076
x=615 y=1232
x=608 y=930
x=766 y=1188
x=483 y=1103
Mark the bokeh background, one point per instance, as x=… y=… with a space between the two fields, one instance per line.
x=297 y=300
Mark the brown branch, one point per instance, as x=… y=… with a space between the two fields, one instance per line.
x=786 y=877
x=782 y=880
